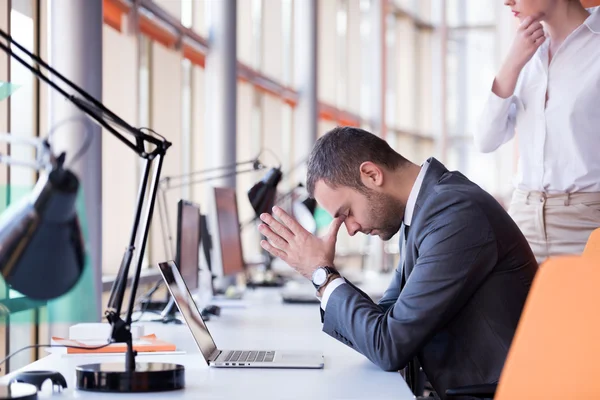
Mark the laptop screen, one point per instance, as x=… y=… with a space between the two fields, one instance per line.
x=187 y=308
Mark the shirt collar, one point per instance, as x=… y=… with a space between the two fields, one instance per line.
x=593 y=21
x=414 y=193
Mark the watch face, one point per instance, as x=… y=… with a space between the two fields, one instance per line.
x=319 y=276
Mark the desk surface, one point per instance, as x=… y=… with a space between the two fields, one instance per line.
x=265 y=323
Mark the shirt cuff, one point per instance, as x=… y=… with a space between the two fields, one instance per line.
x=497 y=105
x=331 y=286
x=496 y=123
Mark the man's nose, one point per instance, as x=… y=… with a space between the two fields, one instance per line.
x=352 y=227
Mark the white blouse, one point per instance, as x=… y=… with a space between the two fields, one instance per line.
x=559 y=142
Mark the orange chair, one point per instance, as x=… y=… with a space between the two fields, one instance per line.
x=556 y=350
x=590 y=3
x=592 y=247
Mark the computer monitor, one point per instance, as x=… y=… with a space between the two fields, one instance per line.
x=188 y=242
x=228 y=236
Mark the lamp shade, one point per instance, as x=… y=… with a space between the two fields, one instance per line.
x=41 y=245
x=262 y=195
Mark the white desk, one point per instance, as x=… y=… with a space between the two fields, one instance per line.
x=265 y=323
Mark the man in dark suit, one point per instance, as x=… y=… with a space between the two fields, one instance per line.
x=466 y=269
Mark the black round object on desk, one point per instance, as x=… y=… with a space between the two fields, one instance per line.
x=147 y=377
x=37 y=378
x=16 y=390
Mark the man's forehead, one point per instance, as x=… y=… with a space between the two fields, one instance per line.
x=331 y=199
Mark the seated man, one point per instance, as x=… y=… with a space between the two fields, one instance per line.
x=457 y=295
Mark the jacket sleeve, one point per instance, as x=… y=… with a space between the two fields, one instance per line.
x=455 y=256
x=390 y=296
x=496 y=124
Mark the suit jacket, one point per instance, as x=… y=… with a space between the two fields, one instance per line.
x=468 y=270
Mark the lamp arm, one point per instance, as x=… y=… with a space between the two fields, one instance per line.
x=137 y=140
x=212 y=178
x=184 y=179
x=88 y=104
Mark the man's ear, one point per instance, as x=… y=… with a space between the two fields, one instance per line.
x=371 y=175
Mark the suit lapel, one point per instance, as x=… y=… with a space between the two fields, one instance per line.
x=435 y=171
x=403 y=239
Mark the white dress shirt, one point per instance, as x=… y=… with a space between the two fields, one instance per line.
x=408 y=213
x=559 y=142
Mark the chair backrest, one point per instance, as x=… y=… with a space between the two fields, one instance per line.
x=556 y=348
x=590 y=3
x=592 y=247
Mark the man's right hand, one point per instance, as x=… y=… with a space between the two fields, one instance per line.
x=530 y=36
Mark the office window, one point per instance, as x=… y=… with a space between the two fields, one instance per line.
x=18 y=116
x=248 y=147
x=249 y=32
x=200 y=9
x=471 y=12
x=479 y=33
x=405 y=52
x=341 y=55
x=354 y=57
x=173 y=7
x=426 y=78
x=327 y=68
x=272 y=39
x=165 y=118
x=23 y=108
x=120 y=85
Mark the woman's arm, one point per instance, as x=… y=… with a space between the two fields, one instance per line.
x=497 y=123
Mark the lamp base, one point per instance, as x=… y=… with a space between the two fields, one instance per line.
x=147 y=377
x=17 y=390
x=37 y=379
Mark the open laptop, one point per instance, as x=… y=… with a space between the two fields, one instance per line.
x=228 y=358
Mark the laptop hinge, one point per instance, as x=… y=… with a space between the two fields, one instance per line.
x=215 y=354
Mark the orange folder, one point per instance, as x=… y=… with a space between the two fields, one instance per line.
x=145 y=344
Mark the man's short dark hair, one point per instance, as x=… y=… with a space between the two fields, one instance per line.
x=337 y=156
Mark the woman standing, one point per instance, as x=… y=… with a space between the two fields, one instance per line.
x=548 y=88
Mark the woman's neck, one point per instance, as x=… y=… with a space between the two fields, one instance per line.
x=564 y=20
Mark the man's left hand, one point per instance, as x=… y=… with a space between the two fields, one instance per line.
x=292 y=243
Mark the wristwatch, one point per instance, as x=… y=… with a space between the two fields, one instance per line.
x=321 y=276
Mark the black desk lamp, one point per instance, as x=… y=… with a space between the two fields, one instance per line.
x=262 y=197
x=41 y=245
x=128 y=376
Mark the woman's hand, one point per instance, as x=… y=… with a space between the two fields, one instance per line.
x=529 y=38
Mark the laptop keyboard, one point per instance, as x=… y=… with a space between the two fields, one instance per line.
x=250 y=356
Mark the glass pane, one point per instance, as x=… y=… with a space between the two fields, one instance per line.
x=471 y=12
x=22 y=103
x=20 y=335
x=471 y=69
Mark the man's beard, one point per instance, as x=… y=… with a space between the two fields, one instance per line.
x=386 y=214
